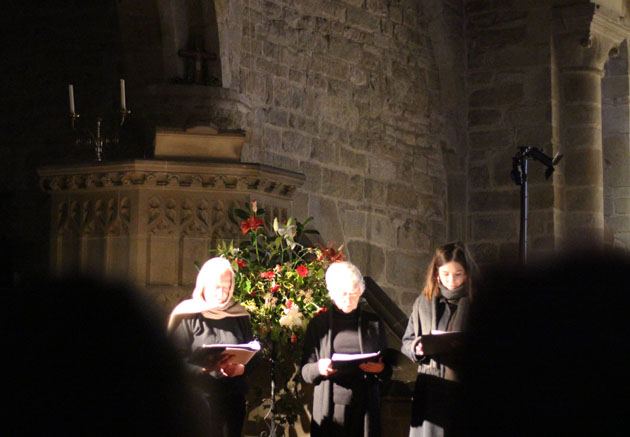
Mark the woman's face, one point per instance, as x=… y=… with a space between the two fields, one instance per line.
x=218 y=292
x=347 y=300
x=452 y=275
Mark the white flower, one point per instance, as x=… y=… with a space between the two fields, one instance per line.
x=292 y=317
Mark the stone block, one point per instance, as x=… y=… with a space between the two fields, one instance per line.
x=369 y=258
x=375 y=192
x=584 y=137
x=326 y=220
x=305 y=124
x=496 y=227
x=582 y=113
x=382 y=168
x=296 y=144
x=277 y=117
x=585 y=199
x=342 y=48
x=577 y=90
x=378 y=7
x=622 y=207
x=338 y=112
x=540 y=196
x=583 y=167
x=401 y=196
x=497 y=96
x=479 y=177
x=539 y=114
x=540 y=135
x=483 y=117
x=381 y=229
x=405 y=270
x=272 y=138
x=324 y=151
x=313 y=174
x=493 y=201
x=488 y=140
x=537 y=85
x=287 y=95
x=342 y=185
x=615 y=86
x=413 y=235
x=353 y=160
x=608 y=206
x=361 y=18
x=353 y=222
x=484 y=253
x=615 y=119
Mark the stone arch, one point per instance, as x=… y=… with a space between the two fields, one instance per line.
x=616 y=148
x=210 y=26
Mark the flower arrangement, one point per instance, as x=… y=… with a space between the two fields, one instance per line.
x=280 y=282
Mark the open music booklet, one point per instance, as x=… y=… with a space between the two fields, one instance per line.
x=442 y=342
x=209 y=354
x=349 y=360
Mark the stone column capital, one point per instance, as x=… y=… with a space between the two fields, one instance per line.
x=586 y=35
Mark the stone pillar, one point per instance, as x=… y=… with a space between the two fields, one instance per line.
x=583 y=37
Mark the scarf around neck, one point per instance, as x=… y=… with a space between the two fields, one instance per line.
x=198 y=305
x=453 y=295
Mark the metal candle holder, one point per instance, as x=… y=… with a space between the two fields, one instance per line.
x=86 y=137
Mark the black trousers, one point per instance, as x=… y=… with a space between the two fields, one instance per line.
x=225 y=413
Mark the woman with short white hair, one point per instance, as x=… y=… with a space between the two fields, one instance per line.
x=346 y=402
x=213 y=317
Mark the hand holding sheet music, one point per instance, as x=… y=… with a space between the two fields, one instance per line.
x=211 y=355
x=344 y=361
x=444 y=347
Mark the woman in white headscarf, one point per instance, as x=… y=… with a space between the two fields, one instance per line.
x=213 y=317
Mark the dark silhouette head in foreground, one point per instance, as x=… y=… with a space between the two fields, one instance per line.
x=88 y=357
x=548 y=349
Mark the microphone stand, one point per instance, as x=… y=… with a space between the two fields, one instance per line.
x=519 y=176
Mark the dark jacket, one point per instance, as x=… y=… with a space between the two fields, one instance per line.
x=196 y=330
x=318 y=344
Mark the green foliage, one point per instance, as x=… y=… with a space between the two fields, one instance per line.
x=280 y=282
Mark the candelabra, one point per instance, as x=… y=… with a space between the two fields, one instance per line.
x=97 y=139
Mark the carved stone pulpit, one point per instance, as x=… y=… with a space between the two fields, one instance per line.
x=149 y=221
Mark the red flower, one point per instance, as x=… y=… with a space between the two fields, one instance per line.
x=275 y=288
x=289 y=304
x=240 y=263
x=293 y=338
x=332 y=254
x=302 y=271
x=267 y=275
x=322 y=310
x=251 y=223
x=278 y=268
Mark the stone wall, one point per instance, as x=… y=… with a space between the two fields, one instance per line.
x=509 y=84
x=348 y=94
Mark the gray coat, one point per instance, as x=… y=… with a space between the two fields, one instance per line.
x=433 y=394
x=317 y=345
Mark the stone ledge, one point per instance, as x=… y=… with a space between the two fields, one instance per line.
x=171 y=174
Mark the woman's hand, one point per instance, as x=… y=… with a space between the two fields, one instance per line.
x=233 y=369
x=226 y=368
x=325 y=367
x=419 y=350
x=373 y=366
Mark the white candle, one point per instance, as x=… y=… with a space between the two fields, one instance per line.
x=71 y=95
x=123 y=103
